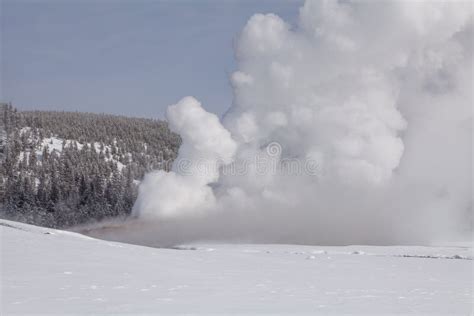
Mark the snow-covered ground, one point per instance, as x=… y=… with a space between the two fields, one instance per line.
x=46 y=271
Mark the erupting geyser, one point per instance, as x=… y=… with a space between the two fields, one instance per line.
x=370 y=103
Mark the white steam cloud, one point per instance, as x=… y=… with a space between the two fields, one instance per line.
x=186 y=188
x=370 y=102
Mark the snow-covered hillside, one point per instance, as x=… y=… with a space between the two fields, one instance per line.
x=62 y=169
x=46 y=271
x=56 y=144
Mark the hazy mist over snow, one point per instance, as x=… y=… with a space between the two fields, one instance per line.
x=370 y=102
x=222 y=279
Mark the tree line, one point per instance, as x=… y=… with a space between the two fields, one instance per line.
x=60 y=169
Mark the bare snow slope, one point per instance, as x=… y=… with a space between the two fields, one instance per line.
x=47 y=271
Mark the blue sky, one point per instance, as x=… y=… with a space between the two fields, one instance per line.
x=123 y=57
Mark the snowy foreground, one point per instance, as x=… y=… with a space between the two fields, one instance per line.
x=47 y=271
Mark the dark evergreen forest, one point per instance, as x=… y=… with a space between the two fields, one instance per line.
x=60 y=169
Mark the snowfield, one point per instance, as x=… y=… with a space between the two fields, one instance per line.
x=46 y=271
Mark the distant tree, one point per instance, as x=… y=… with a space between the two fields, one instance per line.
x=32 y=160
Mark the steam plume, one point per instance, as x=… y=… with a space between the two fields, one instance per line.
x=371 y=105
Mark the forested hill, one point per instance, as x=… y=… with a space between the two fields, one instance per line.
x=60 y=169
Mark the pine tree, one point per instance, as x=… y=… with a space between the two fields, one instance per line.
x=32 y=160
